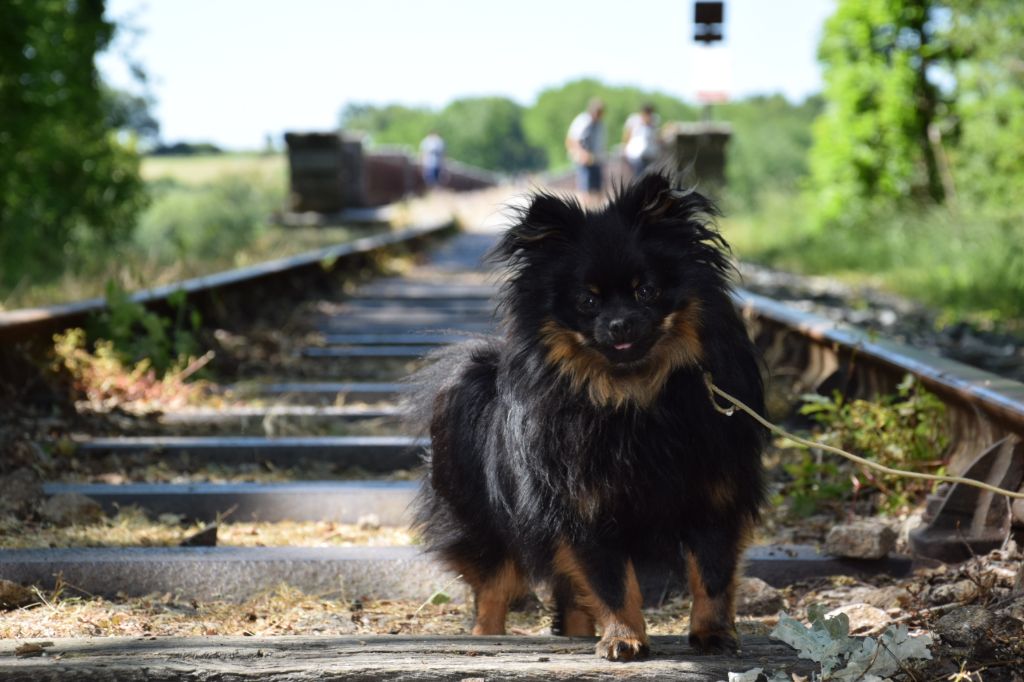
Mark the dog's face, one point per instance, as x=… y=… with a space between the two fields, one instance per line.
x=615 y=297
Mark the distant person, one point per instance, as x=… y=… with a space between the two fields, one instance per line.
x=432 y=159
x=640 y=139
x=585 y=144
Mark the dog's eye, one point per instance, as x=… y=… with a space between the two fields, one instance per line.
x=586 y=303
x=646 y=293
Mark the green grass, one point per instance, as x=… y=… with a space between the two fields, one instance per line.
x=972 y=267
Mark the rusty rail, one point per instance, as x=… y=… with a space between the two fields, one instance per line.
x=985 y=414
x=999 y=398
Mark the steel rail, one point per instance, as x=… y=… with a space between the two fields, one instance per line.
x=1000 y=399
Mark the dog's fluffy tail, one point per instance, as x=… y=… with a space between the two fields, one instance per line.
x=441 y=372
x=442 y=402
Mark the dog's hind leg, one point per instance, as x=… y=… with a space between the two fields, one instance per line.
x=606 y=587
x=571 y=619
x=493 y=592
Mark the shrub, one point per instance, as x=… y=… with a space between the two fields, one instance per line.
x=905 y=431
x=217 y=218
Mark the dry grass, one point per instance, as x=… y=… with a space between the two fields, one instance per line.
x=275 y=242
x=285 y=611
x=204 y=168
x=131 y=527
x=155 y=468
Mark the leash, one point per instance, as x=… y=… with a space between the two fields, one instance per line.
x=735 y=403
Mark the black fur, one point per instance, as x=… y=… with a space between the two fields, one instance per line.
x=522 y=460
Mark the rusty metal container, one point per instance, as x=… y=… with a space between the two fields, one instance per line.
x=326 y=171
x=390 y=175
x=698 y=152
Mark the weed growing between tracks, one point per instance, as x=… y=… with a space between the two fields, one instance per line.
x=905 y=430
x=133 y=359
x=105 y=380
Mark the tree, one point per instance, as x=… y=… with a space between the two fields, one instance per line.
x=130 y=112
x=482 y=131
x=547 y=121
x=391 y=124
x=65 y=180
x=988 y=156
x=768 y=149
x=871 y=146
x=488 y=132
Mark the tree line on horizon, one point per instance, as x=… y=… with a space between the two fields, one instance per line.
x=771 y=135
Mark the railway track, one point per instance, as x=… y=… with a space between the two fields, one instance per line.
x=336 y=404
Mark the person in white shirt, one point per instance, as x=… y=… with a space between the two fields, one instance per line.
x=586 y=144
x=640 y=139
x=432 y=158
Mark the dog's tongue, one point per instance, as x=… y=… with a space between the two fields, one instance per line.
x=623 y=346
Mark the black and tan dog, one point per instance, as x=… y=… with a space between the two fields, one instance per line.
x=584 y=440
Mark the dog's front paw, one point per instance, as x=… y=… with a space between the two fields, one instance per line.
x=622 y=648
x=715 y=641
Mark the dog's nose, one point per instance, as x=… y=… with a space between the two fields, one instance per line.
x=620 y=328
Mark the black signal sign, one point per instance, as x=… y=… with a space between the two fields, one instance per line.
x=708 y=18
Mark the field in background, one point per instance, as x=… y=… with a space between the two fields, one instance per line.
x=206 y=213
x=200 y=169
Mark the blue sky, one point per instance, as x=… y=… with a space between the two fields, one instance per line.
x=233 y=71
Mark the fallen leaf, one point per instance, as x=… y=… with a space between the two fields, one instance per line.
x=30 y=649
x=439 y=597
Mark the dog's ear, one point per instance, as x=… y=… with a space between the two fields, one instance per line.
x=654 y=198
x=547 y=218
x=680 y=221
